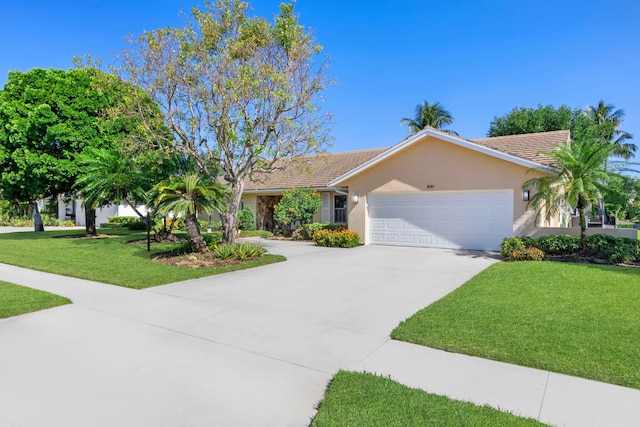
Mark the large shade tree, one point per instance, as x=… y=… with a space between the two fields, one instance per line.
x=580 y=180
x=187 y=195
x=47 y=118
x=238 y=92
x=429 y=115
x=543 y=118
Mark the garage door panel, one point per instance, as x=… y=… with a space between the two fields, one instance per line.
x=465 y=219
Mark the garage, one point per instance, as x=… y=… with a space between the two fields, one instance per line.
x=448 y=219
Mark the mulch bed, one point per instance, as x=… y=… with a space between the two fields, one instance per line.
x=193 y=260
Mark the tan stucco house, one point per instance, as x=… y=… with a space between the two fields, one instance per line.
x=432 y=189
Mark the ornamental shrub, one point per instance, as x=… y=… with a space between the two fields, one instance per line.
x=305 y=231
x=560 y=244
x=298 y=205
x=509 y=245
x=527 y=254
x=246 y=219
x=613 y=249
x=121 y=219
x=336 y=239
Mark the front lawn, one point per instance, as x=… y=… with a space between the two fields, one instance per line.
x=108 y=260
x=366 y=400
x=576 y=319
x=16 y=300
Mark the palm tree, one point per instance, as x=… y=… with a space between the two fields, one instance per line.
x=429 y=115
x=608 y=119
x=109 y=176
x=581 y=179
x=188 y=195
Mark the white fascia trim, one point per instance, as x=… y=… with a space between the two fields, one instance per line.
x=445 y=137
x=282 y=190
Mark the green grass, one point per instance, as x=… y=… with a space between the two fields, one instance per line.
x=16 y=300
x=575 y=319
x=109 y=260
x=366 y=400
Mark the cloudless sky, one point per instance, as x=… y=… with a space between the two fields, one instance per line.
x=479 y=59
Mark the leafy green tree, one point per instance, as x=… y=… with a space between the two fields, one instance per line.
x=47 y=118
x=621 y=196
x=298 y=205
x=580 y=181
x=236 y=91
x=429 y=115
x=608 y=120
x=523 y=120
x=187 y=196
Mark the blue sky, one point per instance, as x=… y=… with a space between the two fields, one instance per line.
x=478 y=59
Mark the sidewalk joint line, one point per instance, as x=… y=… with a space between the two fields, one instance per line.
x=544 y=394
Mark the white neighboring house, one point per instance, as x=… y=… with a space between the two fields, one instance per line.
x=72 y=210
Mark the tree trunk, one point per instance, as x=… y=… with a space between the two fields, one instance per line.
x=90 y=220
x=230 y=216
x=583 y=226
x=37 y=219
x=193 y=230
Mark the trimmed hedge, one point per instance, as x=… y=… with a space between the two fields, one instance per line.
x=609 y=248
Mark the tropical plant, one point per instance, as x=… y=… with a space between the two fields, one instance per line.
x=429 y=115
x=579 y=181
x=608 y=120
x=188 y=195
x=108 y=176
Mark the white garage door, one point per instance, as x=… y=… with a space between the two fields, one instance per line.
x=458 y=219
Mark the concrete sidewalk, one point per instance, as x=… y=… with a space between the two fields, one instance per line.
x=257 y=347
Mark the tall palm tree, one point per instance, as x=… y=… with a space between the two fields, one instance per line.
x=608 y=119
x=581 y=179
x=432 y=115
x=188 y=195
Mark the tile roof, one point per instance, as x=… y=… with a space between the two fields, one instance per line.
x=313 y=171
x=319 y=170
x=527 y=146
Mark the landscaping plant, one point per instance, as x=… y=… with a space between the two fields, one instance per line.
x=336 y=238
x=298 y=205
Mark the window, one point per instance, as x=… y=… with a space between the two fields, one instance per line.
x=340 y=209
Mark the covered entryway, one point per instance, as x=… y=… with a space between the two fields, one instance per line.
x=448 y=219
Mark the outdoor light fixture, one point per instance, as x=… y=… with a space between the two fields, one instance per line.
x=356 y=198
x=525 y=195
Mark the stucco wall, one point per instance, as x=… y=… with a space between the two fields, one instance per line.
x=435 y=165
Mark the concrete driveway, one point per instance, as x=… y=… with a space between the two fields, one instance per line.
x=250 y=348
